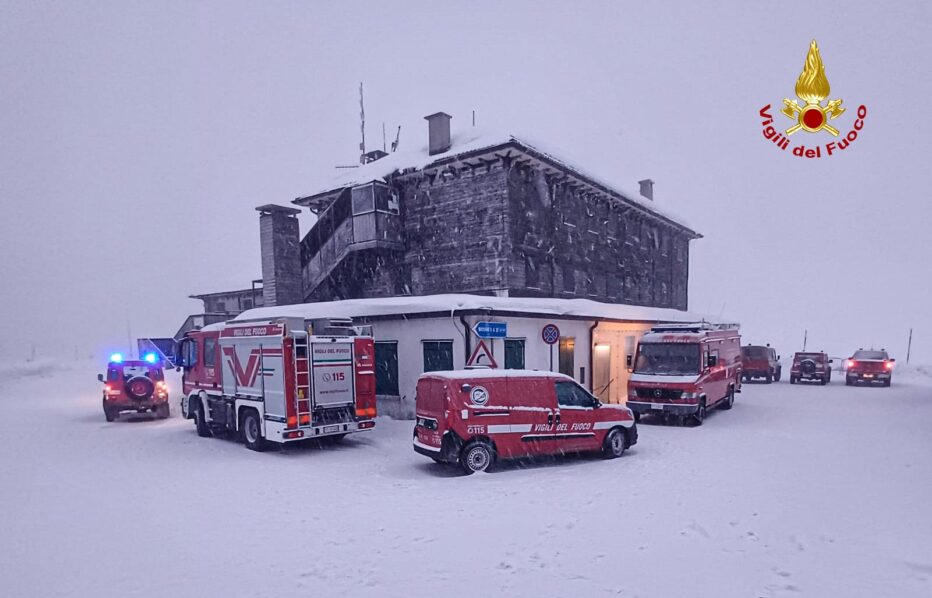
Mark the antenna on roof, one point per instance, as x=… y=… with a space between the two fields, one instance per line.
x=383 y=137
x=362 y=126
x=397 y=138
x=474 y=118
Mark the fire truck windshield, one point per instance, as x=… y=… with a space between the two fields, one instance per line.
x=672 y=359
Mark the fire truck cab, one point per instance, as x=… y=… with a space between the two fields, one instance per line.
x=279 y=380
x=684 y=370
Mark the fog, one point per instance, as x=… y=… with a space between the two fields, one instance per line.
x=136 y=139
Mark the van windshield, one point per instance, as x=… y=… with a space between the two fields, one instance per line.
x=670 y=359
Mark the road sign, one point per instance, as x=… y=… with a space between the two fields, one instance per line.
x=481 y=357
x=550 y=334
x=491 y=329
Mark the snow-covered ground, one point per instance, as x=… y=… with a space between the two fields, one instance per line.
x=798 y=491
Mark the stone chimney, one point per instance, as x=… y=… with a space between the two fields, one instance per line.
x=438 y=131
x=281 y=255
x=647 y=189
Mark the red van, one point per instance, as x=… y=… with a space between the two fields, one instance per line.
x=684 y=370
x=473 y=417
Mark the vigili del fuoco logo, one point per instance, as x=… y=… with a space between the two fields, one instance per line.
x=812 y=117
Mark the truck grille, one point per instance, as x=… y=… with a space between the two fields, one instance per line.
x=666 y=394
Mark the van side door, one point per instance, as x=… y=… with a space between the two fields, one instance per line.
x=575 y=429
x=530 y=420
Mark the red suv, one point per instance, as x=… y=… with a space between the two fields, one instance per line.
x=135 y=385
x=761 y=362
x=869 y=366
x=811 y=366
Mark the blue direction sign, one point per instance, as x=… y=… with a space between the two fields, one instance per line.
x=491 y=329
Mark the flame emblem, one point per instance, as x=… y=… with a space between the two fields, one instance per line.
x=812 y=87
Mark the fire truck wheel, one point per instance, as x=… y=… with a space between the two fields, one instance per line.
x=251 y=429
x=477 y=456
x=699 y=416
x=729 y=399
x=615 y=444
x=110 y=415
x=792 y=379
x=163 y=411
x=203 y=429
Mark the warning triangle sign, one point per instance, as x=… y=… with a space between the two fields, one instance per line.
x=481 y=357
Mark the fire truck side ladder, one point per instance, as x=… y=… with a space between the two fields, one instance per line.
x=302 y=378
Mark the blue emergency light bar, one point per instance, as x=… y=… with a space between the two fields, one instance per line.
x=150 y=358
x=116 y=358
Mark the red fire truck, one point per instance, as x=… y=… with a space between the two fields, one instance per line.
x=278 y=380
x=683 y=370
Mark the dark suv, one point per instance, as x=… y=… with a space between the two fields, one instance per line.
x=811 y=366
x=137 y=386
x=761 y=362
x=869 y=366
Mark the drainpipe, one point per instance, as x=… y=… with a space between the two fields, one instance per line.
x=592 y=355
x=466 y=338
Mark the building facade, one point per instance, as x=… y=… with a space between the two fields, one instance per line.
x=484 y=216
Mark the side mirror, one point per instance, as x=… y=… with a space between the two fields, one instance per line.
x=779 y=358
x=712 y=361
x=892 y=360
x=100 y=377
x=831 y=361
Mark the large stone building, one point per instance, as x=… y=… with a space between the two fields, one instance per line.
x=487 y=216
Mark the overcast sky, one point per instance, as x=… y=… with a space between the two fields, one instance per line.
x=136 y=139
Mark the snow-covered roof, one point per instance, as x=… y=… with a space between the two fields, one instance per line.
x=448 y=303
x=417 y=158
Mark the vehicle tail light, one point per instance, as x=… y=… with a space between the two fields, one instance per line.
x=305 y=419
x=365 y=412
x=366 y=425
x=851 y=363
x=889 y=365
x=292 y=421
x=107 y=388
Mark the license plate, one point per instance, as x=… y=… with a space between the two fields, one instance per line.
x=657 y=406
x=868 y=375
x=328 y=429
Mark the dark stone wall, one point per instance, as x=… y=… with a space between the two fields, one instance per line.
x=456 y=232
x=512 y=228
x=281 y=258
x=573 y=244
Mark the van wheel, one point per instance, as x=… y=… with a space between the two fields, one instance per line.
x=615 y=444
x=729 y=399
x=477 y=456
x=699 y=416
x=203 y=430
x=251 y=430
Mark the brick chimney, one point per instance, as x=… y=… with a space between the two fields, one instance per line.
x=647 y=189
x=281 y=255
x=438 y=131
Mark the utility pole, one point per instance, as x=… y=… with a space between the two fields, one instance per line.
x=909 y=345
x=805 y=339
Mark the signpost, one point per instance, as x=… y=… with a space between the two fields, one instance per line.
x=550 y=335
x=491 y=329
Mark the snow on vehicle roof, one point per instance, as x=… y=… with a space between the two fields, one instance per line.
x=450 y=303
x=417 y=158
x=485 y=374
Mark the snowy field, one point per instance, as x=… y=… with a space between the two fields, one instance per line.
x=798 y=491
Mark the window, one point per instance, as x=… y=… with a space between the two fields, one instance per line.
x=531 y=275
x=569 y=280
x=514 y=354
x=438 y=356
x=570 y=394
x=113 y=374
x=190 y=353
x=567 y=350
x=386 y=368
x=247 y=303
x=363 y=199
x=210 y=351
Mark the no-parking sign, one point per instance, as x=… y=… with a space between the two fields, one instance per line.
x=550 y=334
